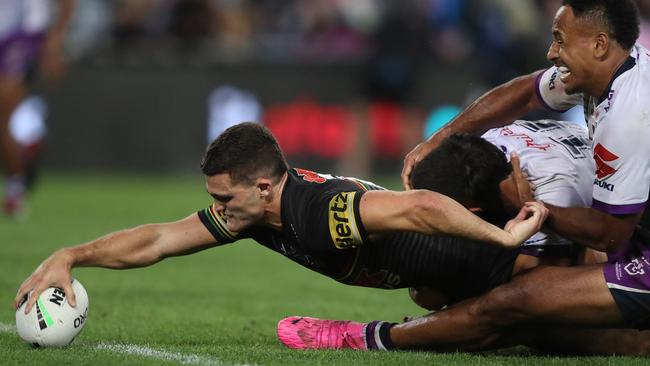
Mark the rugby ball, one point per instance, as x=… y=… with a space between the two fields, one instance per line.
x=52 y=322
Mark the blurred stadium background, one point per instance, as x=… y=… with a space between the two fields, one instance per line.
x=346 y=86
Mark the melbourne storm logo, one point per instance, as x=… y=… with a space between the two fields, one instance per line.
x=634 y=268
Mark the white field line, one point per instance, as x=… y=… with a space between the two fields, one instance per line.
x=7 y=328
x=144 y=351
x=158 y=354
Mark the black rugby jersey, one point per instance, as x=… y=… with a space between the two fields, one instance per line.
x=322 y=230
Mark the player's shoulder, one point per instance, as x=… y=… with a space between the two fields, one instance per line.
x=641 y=55
x=325 y=208
x=319 y=182
x=635 y=73
x=542 y=125
x=627 y=98
x=527 y=130
x=306 y=188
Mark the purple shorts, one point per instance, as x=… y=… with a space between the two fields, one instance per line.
x=627 y=274
x=19 y=52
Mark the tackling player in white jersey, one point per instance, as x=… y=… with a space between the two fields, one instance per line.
x=595 y=59
x=556 y=157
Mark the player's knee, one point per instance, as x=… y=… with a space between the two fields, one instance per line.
x=643 y=347
x=503 y=305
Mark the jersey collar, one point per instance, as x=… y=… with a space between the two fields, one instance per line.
x=627 y=65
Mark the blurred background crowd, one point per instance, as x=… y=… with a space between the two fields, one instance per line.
x=509 y=37
x=346 y=85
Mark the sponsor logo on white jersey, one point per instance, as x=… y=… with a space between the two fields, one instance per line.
x=602 y=156
x=604 y=185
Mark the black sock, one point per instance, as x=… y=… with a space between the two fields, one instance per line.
x=378 y=336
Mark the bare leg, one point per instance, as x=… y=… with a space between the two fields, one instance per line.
x=12 y=92
x=549 y=295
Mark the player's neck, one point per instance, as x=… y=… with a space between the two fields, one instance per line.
x=611 y=67
x=273 y=210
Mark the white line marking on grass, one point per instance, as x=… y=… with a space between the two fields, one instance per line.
x=7 y=328
x=144 y=351
x=185 y=359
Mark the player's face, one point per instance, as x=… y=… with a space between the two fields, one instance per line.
x=241 y=204
x=572 y=50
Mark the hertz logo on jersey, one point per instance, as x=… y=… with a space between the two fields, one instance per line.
x=342 y=223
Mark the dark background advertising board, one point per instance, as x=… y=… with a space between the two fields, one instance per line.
x=156 y=118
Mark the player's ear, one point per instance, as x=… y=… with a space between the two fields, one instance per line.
x=601 y=45
x=265 y=186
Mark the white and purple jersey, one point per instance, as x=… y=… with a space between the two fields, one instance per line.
x=23 y=24
x=24 y=16
x=619 y=126
x=556 y=156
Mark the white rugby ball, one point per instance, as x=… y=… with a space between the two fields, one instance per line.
x=52 y=322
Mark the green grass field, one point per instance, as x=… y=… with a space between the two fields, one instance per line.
x=217 y=307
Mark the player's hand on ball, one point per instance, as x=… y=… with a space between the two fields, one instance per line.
x=53 y=322
x=55 y=271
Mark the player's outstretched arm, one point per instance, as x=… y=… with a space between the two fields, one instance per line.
x=430 y=213
x=137 y=247
x=593 y=228
x=495 y=108
x=584 y=225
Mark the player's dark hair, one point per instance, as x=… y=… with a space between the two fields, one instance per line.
x=466 y=168
x=245 y=151
x=619 y=17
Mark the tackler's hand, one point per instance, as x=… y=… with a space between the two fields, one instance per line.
x=516 y=189
x=528 y=221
